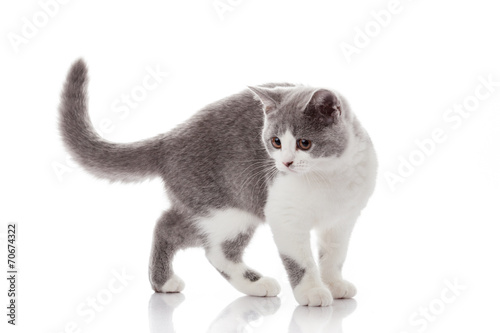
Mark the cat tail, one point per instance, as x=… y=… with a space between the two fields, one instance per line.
x=114 y=161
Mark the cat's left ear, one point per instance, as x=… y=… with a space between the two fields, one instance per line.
x=266 y=96
x=324 y=106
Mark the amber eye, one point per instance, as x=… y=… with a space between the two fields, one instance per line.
x=276 y=142
x=303 y=144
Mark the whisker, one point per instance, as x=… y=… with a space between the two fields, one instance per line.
x=257 y=162
x=266 y=178
x=255 y=172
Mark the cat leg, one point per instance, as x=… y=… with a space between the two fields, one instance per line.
x=227 y=233
x=173 y=231
x=226 y=257
x=293 y=242
x=333 y=244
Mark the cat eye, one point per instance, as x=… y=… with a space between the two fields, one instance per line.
x=303 y=144
x=276 y=142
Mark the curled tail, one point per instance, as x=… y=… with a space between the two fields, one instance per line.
x=104 y=159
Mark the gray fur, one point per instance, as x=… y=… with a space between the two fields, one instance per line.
x=233 y=249
x=124 y=162
x=212 y=161
x=294 y=270
x=251 y=275
x=173 y=231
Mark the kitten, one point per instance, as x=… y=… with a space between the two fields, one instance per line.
x=292 y=155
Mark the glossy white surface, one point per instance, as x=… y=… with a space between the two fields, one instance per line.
x=424 y=257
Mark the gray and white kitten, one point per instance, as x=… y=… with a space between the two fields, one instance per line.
x=291 y=155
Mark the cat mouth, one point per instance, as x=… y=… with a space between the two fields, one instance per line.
x=290 y=170
x=287 y=170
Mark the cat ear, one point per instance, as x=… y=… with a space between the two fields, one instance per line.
x=324 y=106
x=266 y=97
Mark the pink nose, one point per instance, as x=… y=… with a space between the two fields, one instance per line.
x=287 y=164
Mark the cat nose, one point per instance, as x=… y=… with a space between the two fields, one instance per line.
x=287 y=164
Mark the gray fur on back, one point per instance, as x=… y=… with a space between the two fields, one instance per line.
x=214 y=160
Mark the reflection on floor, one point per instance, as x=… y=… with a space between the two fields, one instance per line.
x=307 y=319
x=241 y=314
x=244 y=310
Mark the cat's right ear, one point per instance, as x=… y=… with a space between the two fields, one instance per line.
x=266 y=97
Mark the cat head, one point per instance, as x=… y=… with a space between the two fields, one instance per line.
x=304 y=128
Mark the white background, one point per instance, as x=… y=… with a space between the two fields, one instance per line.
x=439 y=226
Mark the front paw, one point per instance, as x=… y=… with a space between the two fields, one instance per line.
x=264 y=286
x=341 y=289
x=316 y=296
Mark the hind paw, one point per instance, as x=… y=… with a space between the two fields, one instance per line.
x=173 y=285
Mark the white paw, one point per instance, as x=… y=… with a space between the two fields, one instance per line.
x=316 y=296
x=342 y=289
x=173 y=285
x=265 y=286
